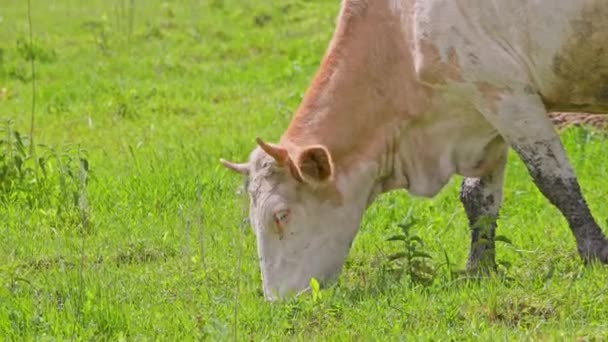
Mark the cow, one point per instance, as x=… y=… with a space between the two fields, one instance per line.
x=411 y=92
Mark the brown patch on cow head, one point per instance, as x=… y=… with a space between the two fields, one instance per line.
x=581 y=64
x=434 y=69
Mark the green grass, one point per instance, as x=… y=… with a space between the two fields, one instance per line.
x=151 y=100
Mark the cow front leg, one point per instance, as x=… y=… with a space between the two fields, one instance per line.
x=547 y=164
x=481 y=199
x=522 y=121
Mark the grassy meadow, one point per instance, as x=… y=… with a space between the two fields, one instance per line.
x=121 y=225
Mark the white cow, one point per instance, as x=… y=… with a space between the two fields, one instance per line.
x=411 y=92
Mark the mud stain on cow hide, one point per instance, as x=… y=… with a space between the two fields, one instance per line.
x=581 y=65
x=492 y=94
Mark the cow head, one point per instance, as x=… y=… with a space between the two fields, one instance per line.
x=304 y=221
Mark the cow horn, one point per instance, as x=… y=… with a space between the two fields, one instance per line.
x=240 y=168
x=278 y=153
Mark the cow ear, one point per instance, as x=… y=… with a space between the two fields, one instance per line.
x=315 y=164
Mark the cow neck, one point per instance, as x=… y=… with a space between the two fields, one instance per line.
x=364 y=88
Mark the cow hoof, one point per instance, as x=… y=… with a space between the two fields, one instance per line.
x=596 y=254
x=604 y=254
x=481 y=269
x=481 y=262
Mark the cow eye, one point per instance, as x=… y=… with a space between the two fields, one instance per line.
x=282 y=216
